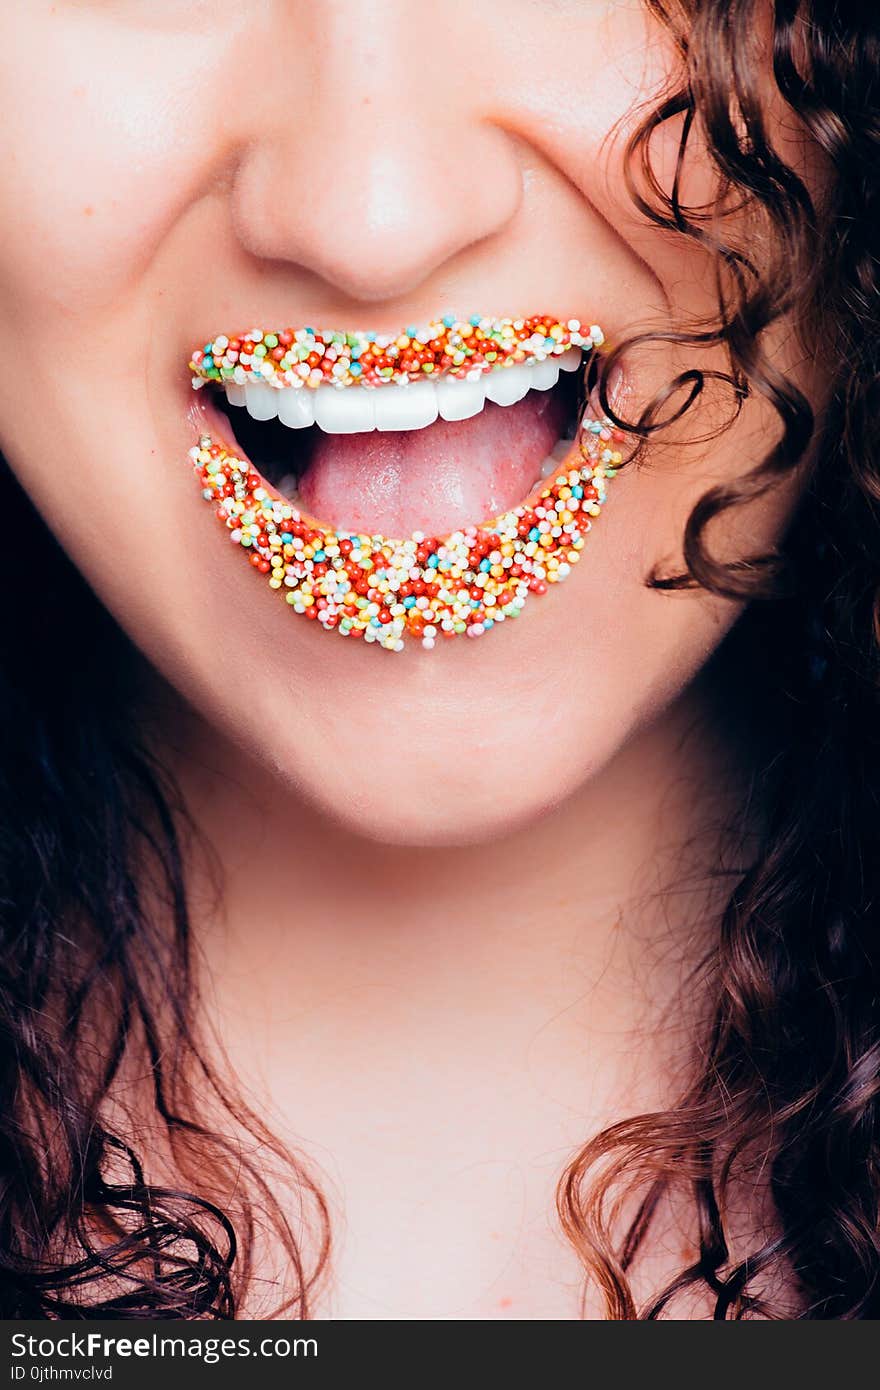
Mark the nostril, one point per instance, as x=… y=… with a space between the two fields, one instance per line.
x=375 y=221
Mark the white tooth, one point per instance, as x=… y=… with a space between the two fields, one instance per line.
x=458 y=399
x=296 y=408
x=261 y=401
x=550 y=465
x=507 y=385
x=287 y=484
x=544 y=374
x=406 y=407
x=561 y=449
x=235 y=394
x=570 y=360
x=344 y=410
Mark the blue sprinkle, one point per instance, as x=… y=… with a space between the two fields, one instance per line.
x=475 y=602
x=370 y=337
x=485 y=565
x=355 y=352
x=409 y=602
x=487 y=623
x=577 y=490
x=286 y=538
x=448 y=320
x=433 y=561
x=320 y=555
x=411 y=331
x=309 y=330
x=474 y=319
x=207 y=362
x=534 y=534
x=355 y=369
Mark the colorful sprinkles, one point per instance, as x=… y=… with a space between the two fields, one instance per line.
x=447 y=346
x=391 y=592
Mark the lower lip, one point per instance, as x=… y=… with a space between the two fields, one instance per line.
x=394 y=593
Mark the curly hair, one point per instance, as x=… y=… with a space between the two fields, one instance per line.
x=96 y=962
x=785 y=1100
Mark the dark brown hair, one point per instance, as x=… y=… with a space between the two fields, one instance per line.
x=783 y=1108
x=784 y=1102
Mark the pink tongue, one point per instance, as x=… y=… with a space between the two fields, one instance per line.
x=449 y=475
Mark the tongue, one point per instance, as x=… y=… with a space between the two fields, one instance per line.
x=451 y=474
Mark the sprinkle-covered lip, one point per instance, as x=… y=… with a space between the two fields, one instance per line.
x=463 y=348
x=389 y=592
x=393 y=592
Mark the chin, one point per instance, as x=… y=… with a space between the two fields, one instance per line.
x=398 y=791
x=463 y=755
x=387 y=548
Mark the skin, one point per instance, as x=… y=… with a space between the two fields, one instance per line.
x=386 y=824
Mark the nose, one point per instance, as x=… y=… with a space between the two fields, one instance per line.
x=367 y=167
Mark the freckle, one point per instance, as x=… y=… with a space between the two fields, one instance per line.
x=496 y=1235
x=505 y=1303
x=88 y=210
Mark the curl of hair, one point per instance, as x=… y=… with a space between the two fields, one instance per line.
x=786 y=1087
x=93 y=974
x=785 y=1102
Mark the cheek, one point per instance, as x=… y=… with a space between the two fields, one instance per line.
x=104 y=134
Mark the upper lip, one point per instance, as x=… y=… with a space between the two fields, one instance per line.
x=444 y=347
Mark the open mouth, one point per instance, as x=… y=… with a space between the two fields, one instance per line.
x=341 y=441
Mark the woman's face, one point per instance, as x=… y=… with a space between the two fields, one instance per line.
x=175 y=169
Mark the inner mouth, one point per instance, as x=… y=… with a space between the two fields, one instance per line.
x=399 y=459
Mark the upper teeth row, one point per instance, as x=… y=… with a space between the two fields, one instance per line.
x=409 y=406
